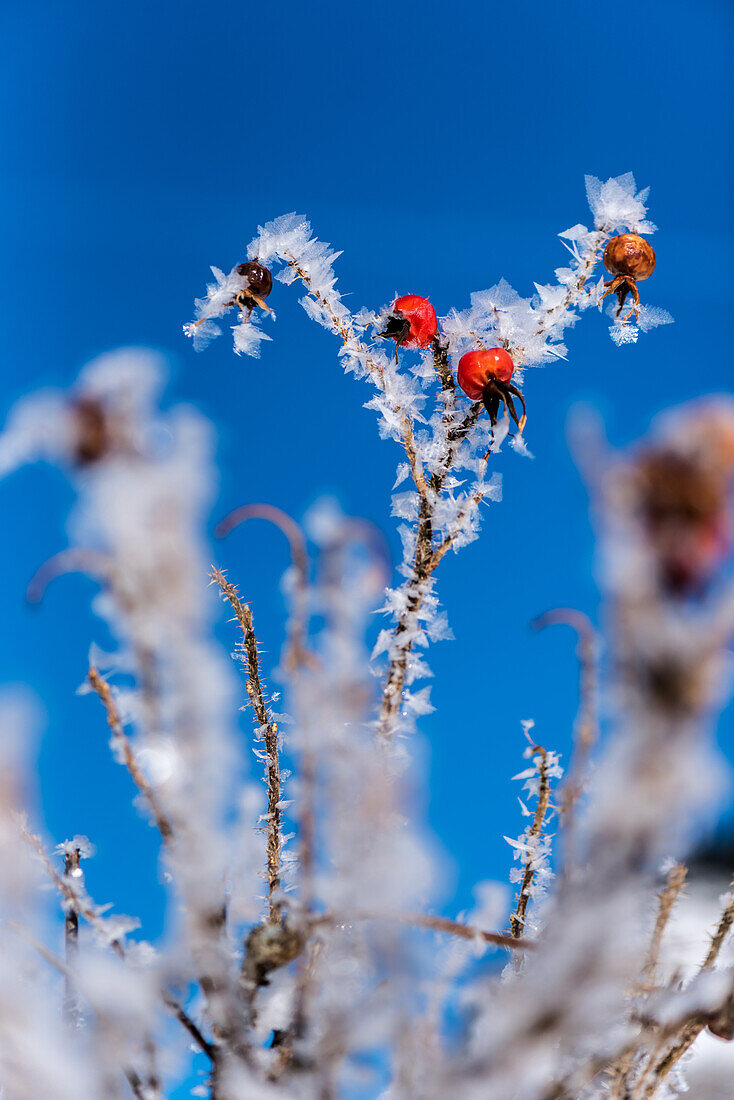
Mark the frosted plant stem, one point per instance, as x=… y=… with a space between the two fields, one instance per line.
x=669 y=895
x=430 y=923
x=586 y=725
x=517 y=920
x=296 y=652
x=91 y=915
x=425 y=561
x=269 y=732
x=620 y=1071
x=597 y=244
x=122 y=742
x=71 y=1011
x=659 y=1068
x=133 y=1078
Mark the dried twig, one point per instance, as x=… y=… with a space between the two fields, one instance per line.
x=429 y=923
x=296 y=650
x=517 y=920
x=674 y=883
x=268 y=730
x=74 y=560
x=122 y=742
x=586 y=725
x=658 y=1067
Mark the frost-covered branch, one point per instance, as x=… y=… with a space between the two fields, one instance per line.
x=446 y=445
x=533 y=847
x=123 y=750
x=267 y=731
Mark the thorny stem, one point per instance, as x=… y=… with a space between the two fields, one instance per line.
x=442 y=365
x=619 y=1072
x=517 y=920
x=268 y=730
x=122 y=742
x=669 y=895
x=93 y=918
x=297 y=657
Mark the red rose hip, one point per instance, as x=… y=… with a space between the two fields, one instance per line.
x=476 y=368
x=411 y=322
x=484 y=375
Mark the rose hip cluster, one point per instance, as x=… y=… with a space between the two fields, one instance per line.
x=484 y=375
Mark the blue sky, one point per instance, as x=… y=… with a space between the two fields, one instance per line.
x=441 y=146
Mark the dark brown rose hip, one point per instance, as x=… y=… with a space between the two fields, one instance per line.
x=629 y=258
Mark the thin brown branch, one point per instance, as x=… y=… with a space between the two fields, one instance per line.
x=674 y=883
x=429 y=923
x=122 y=742
x=517 y=920
x=268 y=730
x=441 y=363
x=726 y=920
x=659 y=1067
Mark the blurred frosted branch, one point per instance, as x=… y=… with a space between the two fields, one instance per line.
x=122 y=748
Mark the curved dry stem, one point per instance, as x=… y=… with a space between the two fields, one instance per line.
x=296 y=650
x=277 y=516
x=675 y=881
x=92 y=562
x=586 y=727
